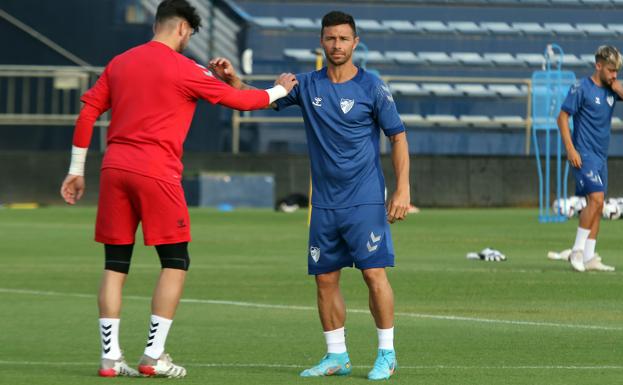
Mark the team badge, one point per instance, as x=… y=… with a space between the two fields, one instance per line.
x=610 y=100
x=346 y=105
x=315 y=253
x=317 y=102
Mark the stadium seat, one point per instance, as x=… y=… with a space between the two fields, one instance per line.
x=563 y=29
x=501 y=59
x=442 y=119
x=475 y=120
x=531 y=59
x=412 y=118
x=369 y=25
x=573 y=61
x=474 y=90
x=499 y=28
x=404 y=57
x=408 y=89
x=466 y=27
x=617 y=28
x=437 y=58
x=302 y=23
x=433 y=27
x=372 y=56
x=531 y=29
x=588 y=58
x=400 y=26
x=600 y=2
x=510 y=121
x=617 y=122
x=507 y=90
x=304 y=55
x=441 y=89
x=269 y=22
x=470 y=59
x=595 y=29
x=564 y=2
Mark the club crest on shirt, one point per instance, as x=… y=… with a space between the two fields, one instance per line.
x=315 y=253
x=346 y=104
x=610 y=100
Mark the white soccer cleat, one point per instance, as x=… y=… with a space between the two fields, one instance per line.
x=116 y=368
x=577 y=260
x=162 y=367
x=595 y=264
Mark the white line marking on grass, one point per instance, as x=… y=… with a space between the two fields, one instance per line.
x=311 y=308
x=296 y=366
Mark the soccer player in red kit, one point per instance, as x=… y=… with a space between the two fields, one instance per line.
x=152 y=91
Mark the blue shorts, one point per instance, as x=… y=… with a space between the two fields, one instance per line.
x=356 y=236
x=592 y=176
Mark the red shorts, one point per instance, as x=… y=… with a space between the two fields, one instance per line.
x=127 y=198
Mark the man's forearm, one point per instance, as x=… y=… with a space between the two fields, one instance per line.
x=565 y=132
x=400 y=160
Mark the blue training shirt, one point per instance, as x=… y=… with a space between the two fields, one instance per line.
x=591 y=107
x=342 y=125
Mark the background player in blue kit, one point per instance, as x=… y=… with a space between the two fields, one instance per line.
x=344 y=109
x=591 y=102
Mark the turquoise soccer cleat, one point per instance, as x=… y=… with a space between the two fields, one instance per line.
x=384 y=366
x=333 y=364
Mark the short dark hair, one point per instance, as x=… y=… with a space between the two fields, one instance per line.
x=178 y=8
x=338 y=18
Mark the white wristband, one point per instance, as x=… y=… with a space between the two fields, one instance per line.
x=277 y=92
x=78 y=159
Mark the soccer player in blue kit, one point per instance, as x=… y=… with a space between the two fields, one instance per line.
x=344 y=109
x=591 y=102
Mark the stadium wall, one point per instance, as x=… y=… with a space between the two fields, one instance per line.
x=436 y=181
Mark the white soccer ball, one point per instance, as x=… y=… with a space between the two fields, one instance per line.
x=611 y=211
x=580 y=204
x=565 y=207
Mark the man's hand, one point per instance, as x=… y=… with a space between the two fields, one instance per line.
x=574 y=158
x=617 y=88
x=288 y=81
x=224 y=70
x=72 y=188
x=398 y=205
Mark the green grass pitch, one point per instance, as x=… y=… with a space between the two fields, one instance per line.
x=248 y=314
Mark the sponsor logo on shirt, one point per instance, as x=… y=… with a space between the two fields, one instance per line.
x=597 y=100
x=315 y=253
x=317 y=102
x=610 y=100
x=346 y=105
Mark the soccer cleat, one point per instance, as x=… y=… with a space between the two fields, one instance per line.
x=116 y=368
x=162 y=367
x=384 y=366
x=333 y=364
x=577 y=260
x=595 y=264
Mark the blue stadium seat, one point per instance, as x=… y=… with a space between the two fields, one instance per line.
x=407 y=89
x=466 y=27
x=510 y=120
x=372 y=56
x=595 y=29
x=475 y=120
x=400 y=26
x=501 y=59
x=437 y=58
x=404 y=57
x=531 y=59
x=269 y=22
x=617 y=28
x=499 y=28
x=474 y=90
x=441 y=89
x=442 y=120
x=470 y=59
x=600 y=2
x=563 y=29
x=412 y=118
x=573 y=61
x=369 y=25
x=304 y=55
x=433 y=27
x=302 y=23
x=588 y=58
x=531 y=28
x=507 y=90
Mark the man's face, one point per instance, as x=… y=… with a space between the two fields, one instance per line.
x=607 y=73
x=338 y=42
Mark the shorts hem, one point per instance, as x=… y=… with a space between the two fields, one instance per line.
x=375 y=266
x=330 y=269
x=161 y=241
x=111 y=241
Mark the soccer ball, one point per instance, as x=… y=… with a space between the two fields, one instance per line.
x=565 y=207
x=580 y=204
x=611 y=210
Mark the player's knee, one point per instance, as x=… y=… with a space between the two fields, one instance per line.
x=174 y=256
x=328 y=281
x=118 y=257
x=375 y=277
x=596 y=199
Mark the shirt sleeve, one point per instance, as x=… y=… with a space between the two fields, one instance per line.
x=98 y=96
x=293 y=96
x=385 y=111
x=197 y=82
x=573 y=101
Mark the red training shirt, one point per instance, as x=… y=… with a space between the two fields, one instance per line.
x=153 y=91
